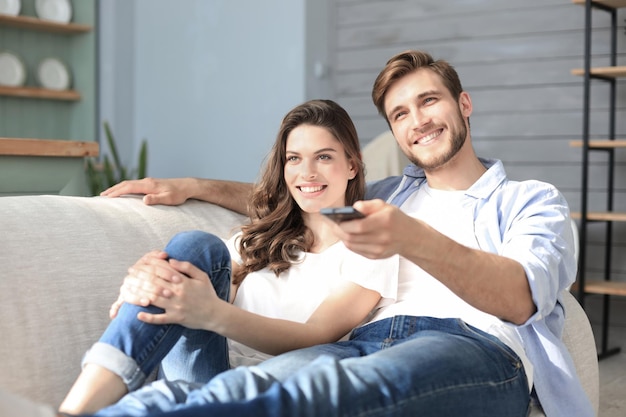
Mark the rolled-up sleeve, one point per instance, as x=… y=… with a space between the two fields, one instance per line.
x=539 y=219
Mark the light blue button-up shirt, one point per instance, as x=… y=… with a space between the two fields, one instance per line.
x=528 y=221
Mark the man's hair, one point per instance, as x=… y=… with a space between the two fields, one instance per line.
x=277 y=234
x=405 y=63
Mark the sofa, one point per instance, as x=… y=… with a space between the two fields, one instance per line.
x=62 y=260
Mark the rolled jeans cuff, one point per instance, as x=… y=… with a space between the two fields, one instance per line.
x=116 y=361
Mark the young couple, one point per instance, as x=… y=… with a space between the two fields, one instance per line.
x=475 y=326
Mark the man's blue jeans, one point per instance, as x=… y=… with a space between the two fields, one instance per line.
x=134 y=349
x=402 y=366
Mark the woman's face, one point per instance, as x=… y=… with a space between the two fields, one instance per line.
x=317 y=170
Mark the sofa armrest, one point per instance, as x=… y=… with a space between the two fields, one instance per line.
x=62 y=261
x=579 y=339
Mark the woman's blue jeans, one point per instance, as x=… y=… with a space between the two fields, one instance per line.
x=402 y=366
x=133 y=349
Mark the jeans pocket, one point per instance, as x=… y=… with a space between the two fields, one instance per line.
x=492 y=342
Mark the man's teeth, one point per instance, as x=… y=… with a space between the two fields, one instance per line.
x=311 y=189
x=430 y=137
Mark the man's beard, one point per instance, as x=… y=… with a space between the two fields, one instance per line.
x=457 y=142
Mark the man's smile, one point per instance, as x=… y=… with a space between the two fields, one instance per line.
x=424 y=140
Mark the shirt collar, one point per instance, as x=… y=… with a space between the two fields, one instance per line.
x=481 y=189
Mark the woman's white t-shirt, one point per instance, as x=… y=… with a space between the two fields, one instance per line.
x=296 y=293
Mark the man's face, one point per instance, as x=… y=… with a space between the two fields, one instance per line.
x=427 y=122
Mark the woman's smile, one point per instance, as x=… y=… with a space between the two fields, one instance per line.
x=309 y=189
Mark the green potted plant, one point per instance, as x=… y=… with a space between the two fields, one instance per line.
x=104 y=174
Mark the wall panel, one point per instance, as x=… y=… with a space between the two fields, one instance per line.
x=514 y=58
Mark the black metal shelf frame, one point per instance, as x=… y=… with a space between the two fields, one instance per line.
x=588 y=77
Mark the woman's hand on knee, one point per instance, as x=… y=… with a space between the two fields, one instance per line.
x=151 y=256
x=192 y=301
x=123 y=295
x=147 y=283
x=115 y=307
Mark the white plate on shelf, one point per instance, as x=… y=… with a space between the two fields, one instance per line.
x=53 y=74
x=12 y=70
x=59 y=11
x=10 y=7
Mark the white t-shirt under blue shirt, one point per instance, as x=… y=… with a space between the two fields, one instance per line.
x=296 y=293
x=420 y=294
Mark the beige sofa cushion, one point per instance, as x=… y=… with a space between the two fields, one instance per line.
x=62 y=260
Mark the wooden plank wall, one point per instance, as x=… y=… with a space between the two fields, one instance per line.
x=514 y=58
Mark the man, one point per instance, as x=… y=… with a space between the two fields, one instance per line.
x=476 y=328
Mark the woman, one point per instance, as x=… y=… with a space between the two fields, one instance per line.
x=293 y=283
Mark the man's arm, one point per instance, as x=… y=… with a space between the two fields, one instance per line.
x=232 y=195
x=494 y=284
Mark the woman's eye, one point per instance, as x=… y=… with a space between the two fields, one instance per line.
x=325 y=157
x=292 y=158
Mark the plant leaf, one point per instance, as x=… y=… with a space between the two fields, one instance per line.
x=112 y=145
x=143 y=160
x=102 y=176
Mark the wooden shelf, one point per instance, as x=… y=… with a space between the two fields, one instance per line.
x=615 y=4
x=34 y=23
x=605 y=287
x=602 y=216
x=600 y=143
x=608 y=72
x=40 y=93
x=47 y=147
x=602 y=287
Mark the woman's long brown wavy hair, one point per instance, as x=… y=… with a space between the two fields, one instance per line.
x=277 y=233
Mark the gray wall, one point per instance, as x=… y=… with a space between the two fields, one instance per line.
x=206 y=82
x=514 y=58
